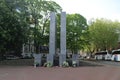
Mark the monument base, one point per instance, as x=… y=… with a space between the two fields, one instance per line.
x=62 y=58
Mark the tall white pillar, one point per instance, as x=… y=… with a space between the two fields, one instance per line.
x=52 y=38
x=63 y=34
x=62 y=56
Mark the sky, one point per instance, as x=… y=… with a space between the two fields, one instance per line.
x=109 y=9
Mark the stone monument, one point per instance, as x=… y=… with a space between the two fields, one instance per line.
x=52 y=38
x=62 y=56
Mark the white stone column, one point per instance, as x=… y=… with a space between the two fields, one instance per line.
x=62 y=56
x=63 y=34
x=52 y=38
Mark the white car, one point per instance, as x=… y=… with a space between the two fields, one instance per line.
x=116 y=55
x=108 y=57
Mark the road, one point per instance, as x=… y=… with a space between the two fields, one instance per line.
x=101 y=62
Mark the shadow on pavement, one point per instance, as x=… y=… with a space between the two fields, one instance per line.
x=86 y=64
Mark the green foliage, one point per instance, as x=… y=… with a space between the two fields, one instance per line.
x=103 y=34
x=76 y=28
x=16 y=16
x=12 y=31
x=39 y=14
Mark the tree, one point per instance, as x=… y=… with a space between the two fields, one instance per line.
x=103 y=34
x=76 y=28
x=40 y=10
x=36 y=13
x=13 y=32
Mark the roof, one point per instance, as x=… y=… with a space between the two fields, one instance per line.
x=116 y=52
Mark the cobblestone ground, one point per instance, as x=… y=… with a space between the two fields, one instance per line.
x=58 y=73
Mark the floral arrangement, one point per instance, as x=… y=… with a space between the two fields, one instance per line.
x=65 y=64
x=48 y=64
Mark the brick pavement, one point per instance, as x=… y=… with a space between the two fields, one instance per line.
x=58 y=73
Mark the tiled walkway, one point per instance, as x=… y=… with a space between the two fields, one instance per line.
x=58 y=73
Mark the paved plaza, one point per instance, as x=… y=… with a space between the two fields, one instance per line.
x=86 y=71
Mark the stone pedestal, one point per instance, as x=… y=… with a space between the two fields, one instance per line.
x=62 y=58
x=37 y=59
x=75 y=58
x=50 y=58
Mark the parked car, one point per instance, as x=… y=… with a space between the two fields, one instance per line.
x=103 y=55
x=10 y=57
x=115 y=55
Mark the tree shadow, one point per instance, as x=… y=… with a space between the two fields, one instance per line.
x=86 y=64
